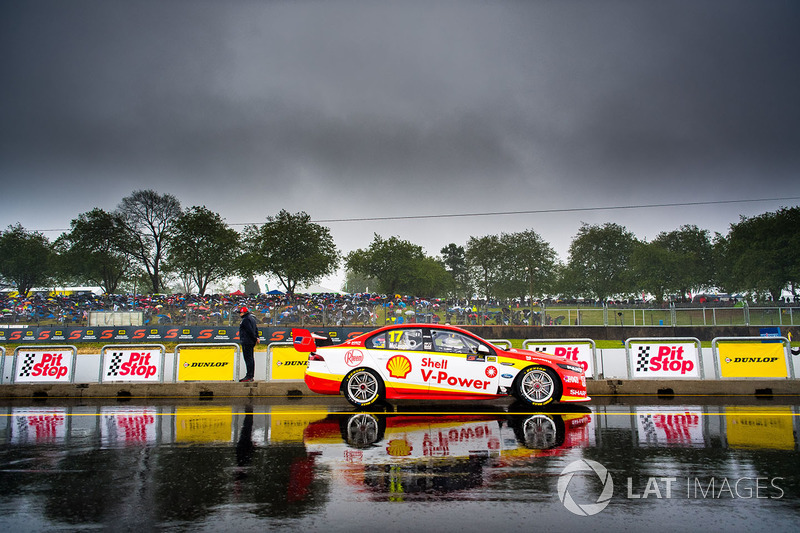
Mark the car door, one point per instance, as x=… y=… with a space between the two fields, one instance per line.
x=399 y=355
x=471 y=365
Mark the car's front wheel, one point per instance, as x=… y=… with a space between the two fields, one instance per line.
x=363 y=387
x=538 y=385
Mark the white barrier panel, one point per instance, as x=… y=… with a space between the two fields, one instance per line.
x=44 y=364
x=2 y=363
x=125 y=363
x=582 y=351
x=664 y=358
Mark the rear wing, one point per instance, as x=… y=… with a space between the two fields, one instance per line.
x=305 y=341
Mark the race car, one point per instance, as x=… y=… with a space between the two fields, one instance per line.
x=436 y=362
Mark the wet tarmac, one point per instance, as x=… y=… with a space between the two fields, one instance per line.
x=317 y=465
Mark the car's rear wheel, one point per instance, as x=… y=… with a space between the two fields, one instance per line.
x=538 y=385
x=363 y=387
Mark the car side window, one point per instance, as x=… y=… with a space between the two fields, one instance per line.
x=452 y=342
x=404 y=339
x=377 y=342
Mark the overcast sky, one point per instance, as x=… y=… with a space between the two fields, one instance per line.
x=360 y=109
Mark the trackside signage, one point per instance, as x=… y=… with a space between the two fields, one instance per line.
x=132 y=364
x=206 y=364
x=53 y=364
x=286 y=363
x=669 y=359
x=752 y=360
x=581 y=353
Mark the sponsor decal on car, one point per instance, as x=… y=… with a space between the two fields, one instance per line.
x=399 y=366
x=353 y=358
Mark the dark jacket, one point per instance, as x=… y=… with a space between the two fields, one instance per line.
x=248 y=330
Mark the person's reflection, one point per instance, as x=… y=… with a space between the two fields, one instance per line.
x=245 y=447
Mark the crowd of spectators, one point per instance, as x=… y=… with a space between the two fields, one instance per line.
x=276 y=309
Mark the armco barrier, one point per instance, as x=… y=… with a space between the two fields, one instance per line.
x=210 y=365
x=753 y=357
x=570 y=348
x=44 y=364
x=670 y=360
x=132 y=364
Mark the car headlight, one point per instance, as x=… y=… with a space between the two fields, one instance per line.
x=571 y=368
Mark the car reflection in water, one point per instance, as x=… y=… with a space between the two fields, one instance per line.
x=399 y=456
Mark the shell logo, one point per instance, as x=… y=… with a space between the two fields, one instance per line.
x=399 y=448
x=398 y=366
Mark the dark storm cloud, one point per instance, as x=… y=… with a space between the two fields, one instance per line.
x=441 y=106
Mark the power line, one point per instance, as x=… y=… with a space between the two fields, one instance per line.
x=525 y=212
x=560 y=210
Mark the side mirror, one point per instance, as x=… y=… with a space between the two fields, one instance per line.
x=484 y=350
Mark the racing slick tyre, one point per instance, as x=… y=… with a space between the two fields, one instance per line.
x=362 y=430
x=537 y=385
x=539 y=432
x=363 y=387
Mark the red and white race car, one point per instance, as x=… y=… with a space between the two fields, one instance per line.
x=424 y=361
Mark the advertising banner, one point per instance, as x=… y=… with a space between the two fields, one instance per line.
x=135 y=364
x=49 y=365
x=286 y=363
x=23 y=334
x=752 y=360
x=664 y=360
x=581 y=353
x=206 y=364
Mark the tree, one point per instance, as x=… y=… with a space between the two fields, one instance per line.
x=392 y=262
x=26 y=259
x=691 y=253
x=483 y=261
x=95 y=249
x=291 y=248
x=149 y=219
x=764 y=252
x=358 y=282
x=527 y=265
x=455 y=261
x=599 y=260
x=202 y=247
x=655 y=269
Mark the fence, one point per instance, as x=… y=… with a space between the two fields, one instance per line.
x=346 y=312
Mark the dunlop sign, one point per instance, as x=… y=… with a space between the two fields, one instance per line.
x=286 y=363
x=206 y=364
x=752 y=360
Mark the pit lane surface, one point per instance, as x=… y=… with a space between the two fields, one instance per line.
x=315 y=464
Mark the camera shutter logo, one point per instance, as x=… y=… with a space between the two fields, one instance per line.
x=587 y=509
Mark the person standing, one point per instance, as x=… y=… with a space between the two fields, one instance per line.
x=248 y=336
